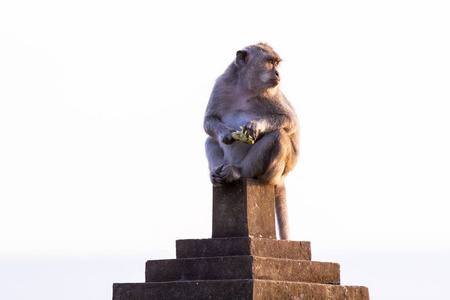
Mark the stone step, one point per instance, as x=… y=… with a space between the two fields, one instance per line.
x=242 y=267
x=243 y=246
x=243 y=289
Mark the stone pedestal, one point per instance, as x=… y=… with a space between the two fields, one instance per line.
x=242 y=261
x=244 y=208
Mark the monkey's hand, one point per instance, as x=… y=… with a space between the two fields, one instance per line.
x=242 y=136
x=227 y=138
x=253 y=129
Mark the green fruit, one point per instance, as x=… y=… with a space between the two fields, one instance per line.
x=242 y=137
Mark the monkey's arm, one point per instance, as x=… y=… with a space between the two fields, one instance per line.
x=270 y=123
x=217 y=130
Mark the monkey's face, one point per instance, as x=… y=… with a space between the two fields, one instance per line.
x=269 y=75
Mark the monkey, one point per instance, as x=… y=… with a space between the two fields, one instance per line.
x=247 y=94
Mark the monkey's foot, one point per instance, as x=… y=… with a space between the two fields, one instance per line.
x=224 y=173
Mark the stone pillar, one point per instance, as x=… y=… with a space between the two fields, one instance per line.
x=244 y=208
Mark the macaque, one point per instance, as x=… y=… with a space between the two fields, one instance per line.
x=247 y=94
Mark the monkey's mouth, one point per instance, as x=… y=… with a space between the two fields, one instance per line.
x=274 y=82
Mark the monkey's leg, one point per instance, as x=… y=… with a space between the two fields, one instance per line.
x=266 y=160
x=220 y=171
x=214 y=153
x=281 y=210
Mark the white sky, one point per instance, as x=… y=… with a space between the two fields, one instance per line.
x=102 y=103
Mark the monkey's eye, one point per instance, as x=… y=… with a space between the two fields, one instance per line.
x=273 y=62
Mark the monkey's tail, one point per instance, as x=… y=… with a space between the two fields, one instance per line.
x=281 y=210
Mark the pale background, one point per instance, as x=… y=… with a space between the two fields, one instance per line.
x=102 y=163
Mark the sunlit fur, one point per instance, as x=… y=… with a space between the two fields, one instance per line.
x=247 y=94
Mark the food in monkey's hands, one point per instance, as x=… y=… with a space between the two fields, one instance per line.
x=241 y=136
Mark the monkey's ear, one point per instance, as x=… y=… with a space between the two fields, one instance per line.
x=241 y=57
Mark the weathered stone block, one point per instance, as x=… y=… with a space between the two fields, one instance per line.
x=243 y=289
x=282 y=290
x=185 y=290
x=244 y=208
x=242 y=267
x=244 y=246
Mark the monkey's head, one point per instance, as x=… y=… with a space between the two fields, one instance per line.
x=258 y=67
